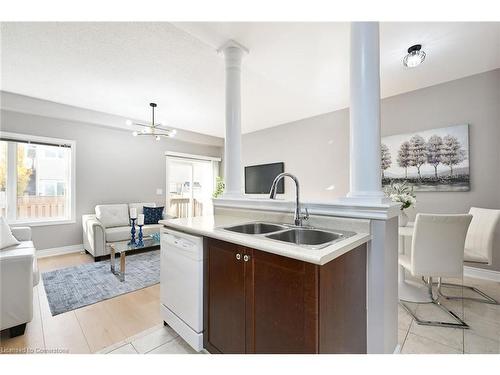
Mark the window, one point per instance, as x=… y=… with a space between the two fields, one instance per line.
x=3 y=178
x=36 y=179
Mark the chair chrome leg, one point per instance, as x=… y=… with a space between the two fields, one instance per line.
x=486 y=298
x=460 y=323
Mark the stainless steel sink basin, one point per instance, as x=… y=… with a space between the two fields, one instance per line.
x=305 y=237
x=256 y=228
x=311 y=238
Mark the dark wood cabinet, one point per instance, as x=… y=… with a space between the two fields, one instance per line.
x=258 y=302
x=226 y=293
x=283 y=305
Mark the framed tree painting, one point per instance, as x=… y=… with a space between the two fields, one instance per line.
x=429 y=160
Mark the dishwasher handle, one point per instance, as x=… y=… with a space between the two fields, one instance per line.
x=179 y=241
x=180 y=244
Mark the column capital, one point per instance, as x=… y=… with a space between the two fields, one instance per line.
x=232 y=45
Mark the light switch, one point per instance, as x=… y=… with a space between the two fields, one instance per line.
x=159 y=191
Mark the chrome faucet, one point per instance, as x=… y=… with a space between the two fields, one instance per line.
x=272 y=195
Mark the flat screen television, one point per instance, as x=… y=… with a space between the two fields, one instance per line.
x=259 y=178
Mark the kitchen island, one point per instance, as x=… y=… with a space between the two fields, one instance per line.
x=264 y=296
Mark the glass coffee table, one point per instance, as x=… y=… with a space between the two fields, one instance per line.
x=122 y=247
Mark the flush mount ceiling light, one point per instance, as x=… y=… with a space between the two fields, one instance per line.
x=414 y=57
x=155 y=130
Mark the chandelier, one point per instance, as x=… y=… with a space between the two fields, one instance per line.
x=155 y=130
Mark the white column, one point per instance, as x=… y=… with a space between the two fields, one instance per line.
x=382 y=287
x=366 y=187
x=233 y=53
x=365 y=170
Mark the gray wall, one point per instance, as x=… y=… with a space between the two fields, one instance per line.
x=317 y=149
x=111 y=167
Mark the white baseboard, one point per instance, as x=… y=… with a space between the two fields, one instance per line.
x=481 y=273
x=59 y=251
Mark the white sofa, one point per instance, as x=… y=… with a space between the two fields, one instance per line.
x=111 y=223
x=18 y=276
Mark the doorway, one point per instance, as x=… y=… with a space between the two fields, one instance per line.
x=190 y=185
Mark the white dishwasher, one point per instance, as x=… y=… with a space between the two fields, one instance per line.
x=181 y=285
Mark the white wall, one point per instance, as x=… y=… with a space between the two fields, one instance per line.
x=317 y=149
x=112 y=166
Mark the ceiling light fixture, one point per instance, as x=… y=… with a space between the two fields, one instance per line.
x=414 y=57
x=156 y=130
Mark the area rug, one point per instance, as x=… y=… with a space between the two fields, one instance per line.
x=74 y=287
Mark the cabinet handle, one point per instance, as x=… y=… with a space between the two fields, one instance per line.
x=246 y=258
x=238 y=256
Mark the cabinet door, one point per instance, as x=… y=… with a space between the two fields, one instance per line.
x=225 y=278
x=283 y=305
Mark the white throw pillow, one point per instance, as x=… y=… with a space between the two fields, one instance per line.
x=6 y=237
x=112 y=215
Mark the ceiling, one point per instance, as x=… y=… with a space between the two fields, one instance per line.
x=293 y=70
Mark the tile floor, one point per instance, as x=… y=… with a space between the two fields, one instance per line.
x=483 y=337
x=157 y=340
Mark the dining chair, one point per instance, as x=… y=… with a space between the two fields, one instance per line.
x=478 y=249
x=437 y=250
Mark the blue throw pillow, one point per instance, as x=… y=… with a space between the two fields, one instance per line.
x=152 y=215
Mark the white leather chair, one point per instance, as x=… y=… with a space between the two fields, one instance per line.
x=18 y=276
x=437 y=250
x=478 y=248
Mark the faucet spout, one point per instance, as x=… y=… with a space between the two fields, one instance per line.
x=274 y=188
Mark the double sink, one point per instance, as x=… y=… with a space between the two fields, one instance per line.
x=307 y=237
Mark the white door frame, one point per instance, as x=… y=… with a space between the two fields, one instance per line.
x=188 y=159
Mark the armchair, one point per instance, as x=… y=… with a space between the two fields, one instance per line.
x=18 y=276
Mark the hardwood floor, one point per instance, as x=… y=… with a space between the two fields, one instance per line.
x=88 y=329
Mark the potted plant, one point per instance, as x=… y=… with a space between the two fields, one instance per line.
x=219 y=187
x=402 y=193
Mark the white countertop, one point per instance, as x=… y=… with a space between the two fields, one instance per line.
x=211 y=226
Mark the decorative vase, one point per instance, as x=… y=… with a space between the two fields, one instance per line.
x=403 y=219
